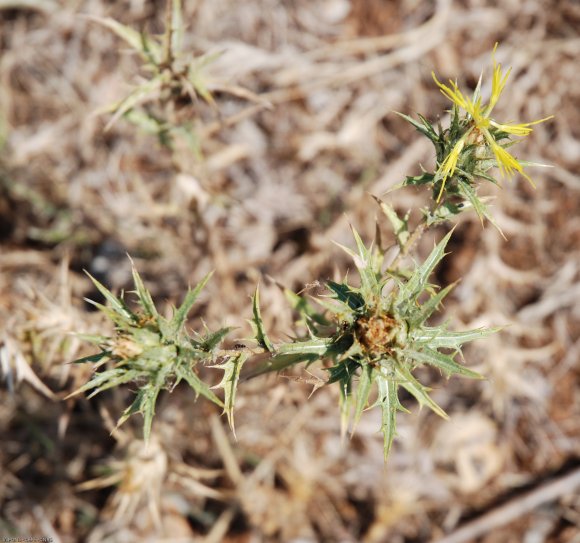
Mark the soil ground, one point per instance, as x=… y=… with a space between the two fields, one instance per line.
x=273 y=188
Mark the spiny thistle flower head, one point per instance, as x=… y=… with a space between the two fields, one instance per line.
x=483 y=125
x=474 y=143
x=150 y=350
x=377 y=334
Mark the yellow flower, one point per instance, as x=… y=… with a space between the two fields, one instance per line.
x=507 y=163
x=482 y=122
x=449 y=164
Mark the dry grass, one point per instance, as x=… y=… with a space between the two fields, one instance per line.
x=272 y=191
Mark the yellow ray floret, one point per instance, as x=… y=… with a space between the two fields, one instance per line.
x=507 y=163
x=448 y=166
x=498 y=82
x=480 y=115
x=522 y=129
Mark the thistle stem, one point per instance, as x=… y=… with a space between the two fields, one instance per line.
x=409 y=244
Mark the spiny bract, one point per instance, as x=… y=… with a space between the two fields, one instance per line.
x=377 y=334
x=148 y=349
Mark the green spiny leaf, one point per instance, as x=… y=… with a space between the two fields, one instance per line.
x=97 y=380
x=357 y=259
x=117 y=304
x=147 y=409
x=258 y=324
x=318 y=346
x=343 y=371
x=177 y=323
x=138 y=41
x=363 y=391
x=345 y=384
x=196 y=77
x=292 y=353
x=232 y=368
x=416 y=389
x=481 y=172
x=115 y=378
x=144 y=403
x=389 y=401
x=480 y=208
x=371 y=268
x=424 y=127
x=143 y=294
x=427 y=309
x=440 y=338
x=133 y=99
x=197 y=80
x=444 y=362
x=355 y=351
x=281 y=361
x=428 y=126
x=454 y=128
x=148 y=123
x=186 y=372
x=423 y=179
x=213 y=339
x=400 y=226
x=305 y=309
x=368 y=263
x=341 y=310
x=442 y=213
x=418 y=281
x=347 y=295
x=94 y=358
x=114 y=316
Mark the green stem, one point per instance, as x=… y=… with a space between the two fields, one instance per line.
x=409 y=244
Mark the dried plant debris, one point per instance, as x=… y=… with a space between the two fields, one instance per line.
x=255 y=193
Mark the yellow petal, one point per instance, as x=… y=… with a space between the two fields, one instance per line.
x=447 y=167
x=522 y=129
x=508 y=164
x=478 y=114
x=453 y=94
x=498 y=82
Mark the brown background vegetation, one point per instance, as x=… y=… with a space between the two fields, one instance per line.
x=274 y=188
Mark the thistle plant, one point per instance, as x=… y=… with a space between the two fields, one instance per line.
x=376 y=335
x=174 y=81
x=150 y=350
x=370 y=336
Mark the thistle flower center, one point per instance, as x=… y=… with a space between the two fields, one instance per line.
x=377 y=334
